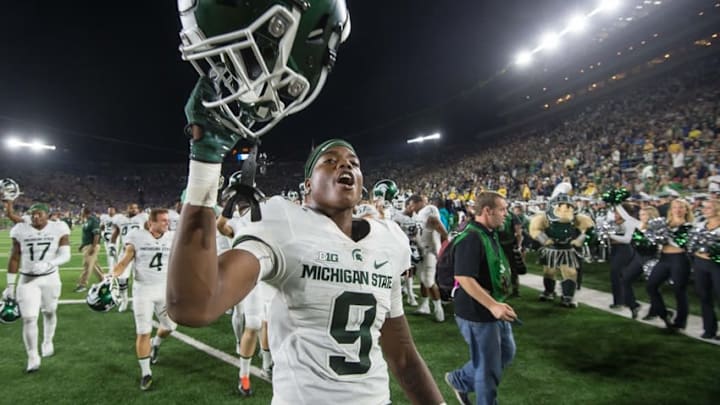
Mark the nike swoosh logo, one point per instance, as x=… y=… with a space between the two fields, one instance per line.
x=378 y=265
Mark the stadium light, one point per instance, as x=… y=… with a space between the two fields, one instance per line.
x=36 y=145
x=523 y=58
x=549 y=41
x=577 y=23
x=421 y=139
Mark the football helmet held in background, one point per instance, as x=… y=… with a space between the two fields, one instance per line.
x=9 y=190
x=268 y=59
x=387 y=189
x=103 y=296
x=9 y=311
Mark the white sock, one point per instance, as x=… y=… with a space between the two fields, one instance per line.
x=437 y=304
x=409 y=284
x=30 y=336
x=425 y=302
x=145 y=366
x=157 y=340
x=49 y=325
x=245 y=366
x=266 y=359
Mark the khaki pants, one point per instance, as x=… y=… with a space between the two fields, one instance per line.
x=89 y=265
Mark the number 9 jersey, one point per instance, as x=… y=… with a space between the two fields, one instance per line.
x=151 y=256
x=334 y=296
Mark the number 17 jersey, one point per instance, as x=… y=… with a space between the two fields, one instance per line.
x=334 y=296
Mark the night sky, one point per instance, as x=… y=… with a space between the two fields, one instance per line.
x=104 y=80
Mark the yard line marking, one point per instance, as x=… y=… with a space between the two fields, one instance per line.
x=203 y=347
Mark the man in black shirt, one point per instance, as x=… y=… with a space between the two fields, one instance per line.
x=483 y=272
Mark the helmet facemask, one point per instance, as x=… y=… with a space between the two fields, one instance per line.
x=256 y=77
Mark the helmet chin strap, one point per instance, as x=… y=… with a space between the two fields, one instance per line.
x=244 y=194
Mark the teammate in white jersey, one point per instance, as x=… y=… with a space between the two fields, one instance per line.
x=149 y=251
x=253 y=310
x=38 y=249
x=339 y=309
x=106 y=231
x=174 y=216
x=123 y=225
x=432 y=234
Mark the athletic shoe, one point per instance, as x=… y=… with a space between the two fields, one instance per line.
x=545 y=296
x=79 y=289
x=33 y=364
x=439 y=314
x=244 y=386
x=462 y=397
x=145 y=382
x=47 y=349
x=423 y=309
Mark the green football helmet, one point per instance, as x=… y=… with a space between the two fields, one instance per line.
x=385 y=189
x=9 y=190
x=268 y=59
x=103 y=296
x=9 y=311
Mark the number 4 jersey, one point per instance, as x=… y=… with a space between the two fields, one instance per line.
x=334 y=296
x=151 y=256
x=38 y=245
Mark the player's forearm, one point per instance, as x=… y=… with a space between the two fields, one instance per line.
x=13 y=265
x=193 y=270
x=417 y=382
x=406 y=364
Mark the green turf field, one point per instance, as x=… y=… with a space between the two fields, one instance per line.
x=583 y=356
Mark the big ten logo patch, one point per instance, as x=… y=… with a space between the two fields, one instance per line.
x=327 y=257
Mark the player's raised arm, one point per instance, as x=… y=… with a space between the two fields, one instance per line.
x=200 y=287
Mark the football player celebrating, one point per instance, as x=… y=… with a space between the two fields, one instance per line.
x=123 y=225
x=149 y=251
x=432 y=234
x=38 y=249
x=338 y=278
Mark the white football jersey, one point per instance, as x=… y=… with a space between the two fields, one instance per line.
x=106 y=224
x=174 y=218
x=334 y=296
x=151 y=255
x=38 y=245
x=429 y=238
x=129 y=224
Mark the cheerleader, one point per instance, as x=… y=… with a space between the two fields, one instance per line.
x=707 y=270
x=673 y=264
x=621 y=252
x=642 y=251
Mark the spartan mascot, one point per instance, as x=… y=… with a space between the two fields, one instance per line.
x=559 y=230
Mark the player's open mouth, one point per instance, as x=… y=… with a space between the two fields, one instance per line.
x=346 y=179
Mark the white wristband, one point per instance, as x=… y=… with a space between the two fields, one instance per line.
x=11 y=278
x=202 y=188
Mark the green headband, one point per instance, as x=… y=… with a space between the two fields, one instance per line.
x=319 y=150
x=39 y=207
